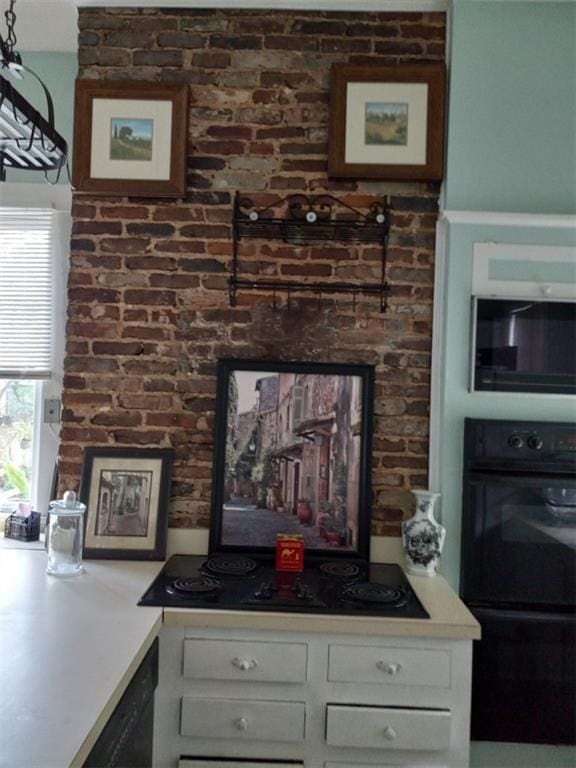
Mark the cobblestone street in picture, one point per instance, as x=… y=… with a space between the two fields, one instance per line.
x=247 y=525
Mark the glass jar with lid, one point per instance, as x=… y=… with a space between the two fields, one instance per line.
x=64 y=536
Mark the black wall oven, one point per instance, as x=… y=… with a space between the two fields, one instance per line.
x=518 y=577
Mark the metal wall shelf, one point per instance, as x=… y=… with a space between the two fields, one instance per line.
x=307 y=221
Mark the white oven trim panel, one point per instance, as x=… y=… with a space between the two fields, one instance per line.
x=530 y=259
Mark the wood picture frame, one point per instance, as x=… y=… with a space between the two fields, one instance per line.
x=387 y=122
x=130 y=138
x=126 y=492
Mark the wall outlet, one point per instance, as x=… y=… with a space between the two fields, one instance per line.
x=51 y=411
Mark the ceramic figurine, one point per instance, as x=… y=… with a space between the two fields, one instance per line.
x=423 y=537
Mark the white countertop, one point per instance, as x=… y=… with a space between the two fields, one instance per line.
x=68 y=649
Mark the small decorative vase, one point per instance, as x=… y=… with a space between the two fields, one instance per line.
x=423 y=537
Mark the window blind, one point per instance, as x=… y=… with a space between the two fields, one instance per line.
x=26 y=273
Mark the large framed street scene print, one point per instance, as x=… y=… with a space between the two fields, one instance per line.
x=292 y=455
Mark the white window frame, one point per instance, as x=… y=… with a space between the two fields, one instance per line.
x=46 y=436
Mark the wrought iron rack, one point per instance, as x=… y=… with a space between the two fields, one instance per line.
x=308 y=220
x=27 y=140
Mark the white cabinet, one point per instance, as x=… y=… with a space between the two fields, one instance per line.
x=238 y=698
x=242 y=719
x=385 y=729
x=209 y=659
x=388 y=665
x=185 y=762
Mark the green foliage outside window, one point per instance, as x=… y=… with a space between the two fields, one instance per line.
x=16 y=426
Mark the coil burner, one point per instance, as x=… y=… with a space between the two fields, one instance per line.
x=195 y=586
x=340 y=570
x=379 y=594
x=229 y=566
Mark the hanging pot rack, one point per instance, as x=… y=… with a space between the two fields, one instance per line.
x=28 y=141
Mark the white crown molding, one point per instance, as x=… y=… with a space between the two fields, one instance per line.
x=495 y=218
x=305 y=5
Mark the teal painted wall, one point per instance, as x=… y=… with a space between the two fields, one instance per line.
x=458 y=402
x=58 y=72
x=511 y=148
x=512 y=107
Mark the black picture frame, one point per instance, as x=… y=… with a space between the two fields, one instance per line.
x=266 y=444
x=126 y=492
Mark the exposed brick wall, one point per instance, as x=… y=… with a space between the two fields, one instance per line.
x=148 y=302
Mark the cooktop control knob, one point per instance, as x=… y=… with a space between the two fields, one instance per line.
x=515 y=441
x=535 y=443
x=264 y=591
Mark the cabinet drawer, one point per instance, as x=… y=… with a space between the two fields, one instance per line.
x=244 y=719
x=371 y=765
x=394 y=666
x=383 y=728
x=188 y=762
x=245 y=660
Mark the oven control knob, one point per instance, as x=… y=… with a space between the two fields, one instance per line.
x=389 y=733
x=515 y=441
x=535 y=443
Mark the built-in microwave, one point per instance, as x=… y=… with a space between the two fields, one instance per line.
x=523 y=345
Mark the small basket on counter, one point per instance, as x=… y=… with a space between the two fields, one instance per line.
x=23 y=525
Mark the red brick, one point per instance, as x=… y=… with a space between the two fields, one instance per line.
x=134 y=437
x=150 y=297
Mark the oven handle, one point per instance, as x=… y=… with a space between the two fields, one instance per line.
x=501 y=477
x=521 y=613
x=506 y=466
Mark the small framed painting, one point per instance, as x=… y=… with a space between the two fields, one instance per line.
x=130 y=138
x=126 y=492
x=387 y=122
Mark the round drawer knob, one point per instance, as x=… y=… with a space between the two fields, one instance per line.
x=390 y=668
x=389 y=733
x=244 y=664
x=242 y=724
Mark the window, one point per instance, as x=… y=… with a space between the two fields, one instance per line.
x=26 y=271
x=17 y=420
x=28 y=281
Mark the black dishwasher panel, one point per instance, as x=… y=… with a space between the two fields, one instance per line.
x=126 y=741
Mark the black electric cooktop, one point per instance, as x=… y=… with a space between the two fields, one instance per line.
x=240 y=582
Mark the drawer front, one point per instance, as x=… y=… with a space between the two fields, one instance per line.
x=248 y=720
x=382 y=728
x=245 y=660
x=371 y=765
x=187 y=762
x=394 y=666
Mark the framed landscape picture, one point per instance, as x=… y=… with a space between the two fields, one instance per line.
x=130 y=138
x=126 y=492
x=292 y=456
x=387 y=122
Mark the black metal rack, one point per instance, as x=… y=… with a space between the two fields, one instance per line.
x=27 y=140
x=308 y=220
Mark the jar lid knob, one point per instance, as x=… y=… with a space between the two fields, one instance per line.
x=69 y=499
